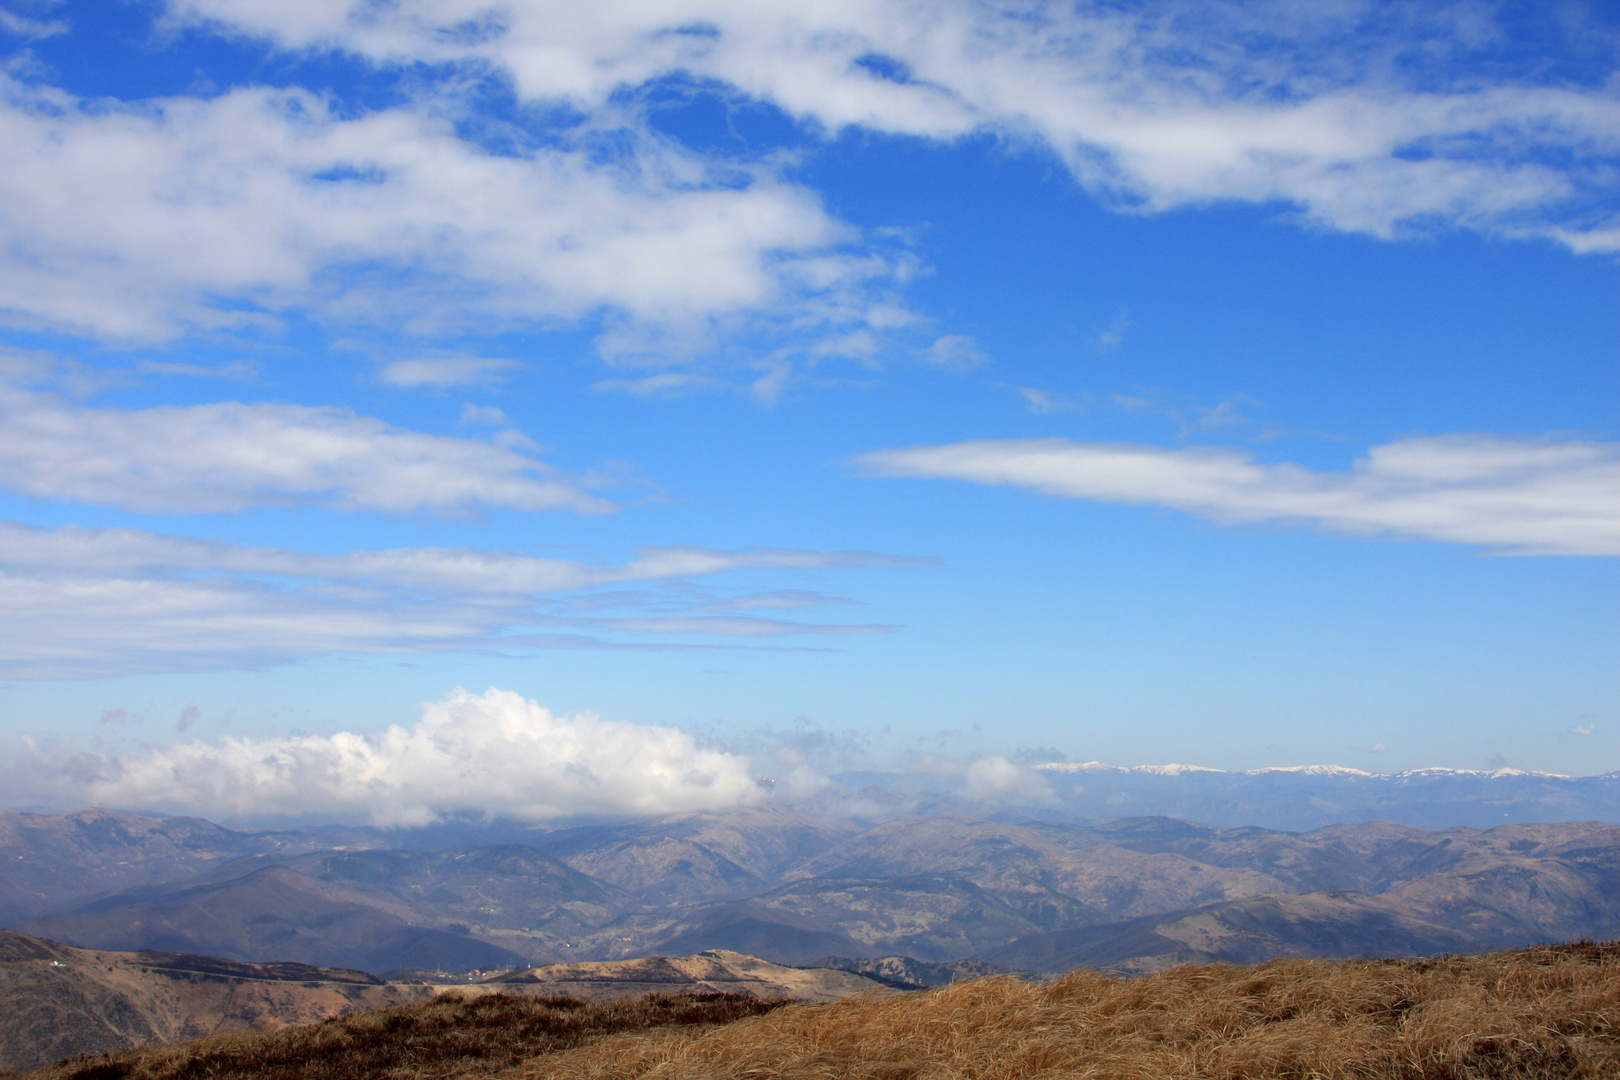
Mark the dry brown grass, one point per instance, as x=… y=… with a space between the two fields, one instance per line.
x=1539 y=1014
x=1546 y=1014
x=450 y=1036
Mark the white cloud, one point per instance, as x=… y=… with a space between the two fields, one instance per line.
x=150 y=220
x=1044 y=401
x=448 y=371
x=780 y=598
x=145 y=221
x=1522 y=496
x=492 y=753
x=32 y=29
x=1224 y=414
x=955 y=351
x=97 y=602
x=1110 y=336
x=1368 y=118
x=995 y=779
x=1583 y=729
x=487 y=415
x=230 y=456
x=40 y=368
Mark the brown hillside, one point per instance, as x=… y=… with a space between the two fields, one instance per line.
x=1548 y=1013
x=56 y=1000
x=716 y=970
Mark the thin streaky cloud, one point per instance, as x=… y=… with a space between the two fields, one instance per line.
x=436 y=372
x=1044 y=402
x=83 y=603
x=237 y=371
x=230 y=456
x=31 y=29
x=781 y=599
x=465 y=570
x=1515 y=496
x=665 y=384
x=735 y=626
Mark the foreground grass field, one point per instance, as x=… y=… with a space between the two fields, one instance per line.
x=1540 y=1014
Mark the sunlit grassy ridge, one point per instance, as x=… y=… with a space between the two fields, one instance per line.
x=1551 y=1012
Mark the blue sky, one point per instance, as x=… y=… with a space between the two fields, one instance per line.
x=798 y=388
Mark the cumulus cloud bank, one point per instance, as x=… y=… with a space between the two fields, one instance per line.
x=494 y=753
x=1521 y=496
x=94 y=602
x=231 y=456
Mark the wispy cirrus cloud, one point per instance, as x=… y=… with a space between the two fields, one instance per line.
x=1045 y=402
x=98 y=602
x=231 y=456
x=495 y=753
x=1364 y=117
x=736 y=626
x=1518 y=496
x=145 y=221
x=30 y=29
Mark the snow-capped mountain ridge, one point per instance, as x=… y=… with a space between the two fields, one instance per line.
x=1299 y=797
x=1180 y=769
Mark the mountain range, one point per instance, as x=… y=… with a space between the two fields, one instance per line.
x=793 y=886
